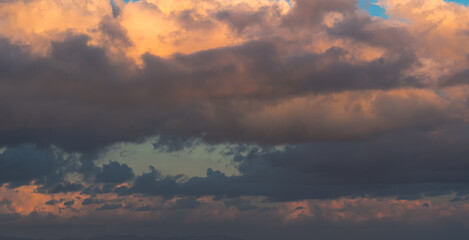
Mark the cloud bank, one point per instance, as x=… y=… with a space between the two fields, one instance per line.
x=321 y=107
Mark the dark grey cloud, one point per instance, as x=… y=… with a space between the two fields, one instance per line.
x=65 y=187
x=115 y=10
x=455 y=79
x=52 y=202
x=114 y=172
x=190 y=19
x=364 y=29
x=240 y=19
x=69 y=203
x=402 y=165
x=309 y=13
x=78 y=99
x=143 y=208
x=99 y=188
x=186 y=203
x=90 y=201
x=111 y=206
x=26 y=164
x=408 y=165
x=240 y=204
x=136 y=237
x=114 y=32
x=81 y=100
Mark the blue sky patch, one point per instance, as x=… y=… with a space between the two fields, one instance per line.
x=372 y=7
x=464 y=2
x=375 y=10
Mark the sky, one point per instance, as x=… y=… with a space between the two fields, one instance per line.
x=374 y=8
x=234 y=119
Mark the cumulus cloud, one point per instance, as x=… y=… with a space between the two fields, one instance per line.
x=268 y=89
x=179 y=96
x=114 y=172
x=224 y=94
x=322 y=100
x=26 y=164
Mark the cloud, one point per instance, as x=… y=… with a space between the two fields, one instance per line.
x=89 y=201
x=340 y=120
x=114 y=32
x=52 y=202
x=143 y=208
x=114 y=172
x=110 y=102
x=26 y=164
x=69 y=203
x=263 y=90
x=65 y=187
x=166 y=143
x=137 y=237
x=214 y=92
x=186 y=203
x=240 y=204
x=429 y=163
x=107 y=207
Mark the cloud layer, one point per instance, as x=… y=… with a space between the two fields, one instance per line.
x=330 y=116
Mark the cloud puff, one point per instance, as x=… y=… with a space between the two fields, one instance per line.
x=26 y=164
x=114 y=172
